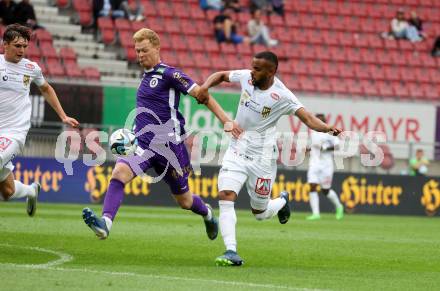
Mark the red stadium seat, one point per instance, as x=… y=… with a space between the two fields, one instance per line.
x=385 y=89
x=33 y=51
x=400 y=89
x=354 y=87
x=201 y=60
x=188 y=27
x=361 y=71
x=63 y=3
x=48 y=51
x=72 y=69
x=54 y=68
x=227 y=48
x=377 y=72
x=186 y=60
x=178 y=42
x=307 y=84
x=322 y=85
x=85 y=18
x=42 y=35
x=416 y=91
x=164 y=9
x=211 y=46
x=369 y=88
x=67 y=53
x=149 y=8
x=338 y=85
x=122 y=24
x=170 y=58
x=300 y=68
x=91 y=73
x=392 y=73
x=244 y=50
x=172 y=26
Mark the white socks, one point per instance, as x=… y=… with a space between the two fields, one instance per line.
x=272 y=209
x=108 y=222
x=22 y=191
x=227 y=220
x=333 y=197
x=208 y=216
x=314 y=202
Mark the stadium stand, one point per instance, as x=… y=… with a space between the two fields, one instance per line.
x=328 y=47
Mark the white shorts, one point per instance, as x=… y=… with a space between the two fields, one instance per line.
x=10 y=147
x=321 y=175
x=239 y=169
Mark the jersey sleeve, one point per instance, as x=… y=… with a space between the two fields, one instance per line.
x=38 y=78
x=291 y=103
x=238 y=75
x=179 y=80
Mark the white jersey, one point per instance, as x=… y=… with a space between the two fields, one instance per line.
x=15 y=105
x=319 y=157
x=258 y=113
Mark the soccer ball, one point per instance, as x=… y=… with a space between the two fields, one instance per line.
x=123 y=142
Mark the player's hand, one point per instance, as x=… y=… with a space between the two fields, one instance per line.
x=233 y=128
x=202 y=95
x=70 y=121
x=334 y=131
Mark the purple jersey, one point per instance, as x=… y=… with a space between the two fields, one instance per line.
x=157 y=102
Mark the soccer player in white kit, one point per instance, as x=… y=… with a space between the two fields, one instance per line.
x=321 y=170
x=251 y=159
x=16 y=74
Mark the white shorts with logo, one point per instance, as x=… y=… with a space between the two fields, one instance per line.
x=320 y=174
x=10 y=147
x=238 y=169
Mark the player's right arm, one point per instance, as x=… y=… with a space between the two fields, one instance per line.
x=212 y=81
x=315 y=123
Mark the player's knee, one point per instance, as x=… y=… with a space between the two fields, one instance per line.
x=313 y=187
x=185 y=203
x=260 y=216
x=7 y=191
x=122 y=174
x=227 y=195
x=325 y=191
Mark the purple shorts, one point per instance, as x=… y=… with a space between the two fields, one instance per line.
x=176 y=156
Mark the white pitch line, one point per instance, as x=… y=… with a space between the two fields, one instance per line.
x=63 y=258
x=162 y=277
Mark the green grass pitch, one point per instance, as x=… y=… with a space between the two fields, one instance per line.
x=167 y=249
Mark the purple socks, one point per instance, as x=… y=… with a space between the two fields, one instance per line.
x=198 y=206
x=113 y=198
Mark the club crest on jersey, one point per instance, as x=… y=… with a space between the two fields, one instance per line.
x=29 y=66
x=266 y=111
x=275 y=96
x=5 y=78
x=4 y=143
x=262 y=186
x=26 y=80
x=154 y=82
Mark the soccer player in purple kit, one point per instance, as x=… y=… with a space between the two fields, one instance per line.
x=158 y=116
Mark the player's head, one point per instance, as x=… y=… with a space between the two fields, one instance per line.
x=147 y=46
x=264 y=67
x=419 y=153
x=321 y=117
x=15 y=41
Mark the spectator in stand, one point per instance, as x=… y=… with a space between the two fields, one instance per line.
x=435 y=52
x=400 y=28
x=232 y=4
x=117 y=9
x=263 y=5
x=416 y=22
x=225 y=28
x=7 y=12
x=418 y=166
x=258 y=31
x=278 y=7
x=211 y=4
x=25 y=14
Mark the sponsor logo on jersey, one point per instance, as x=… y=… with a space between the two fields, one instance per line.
x=180 y=78
x=26 y=80
x=160 y=70
x=5 y=78
x=245 y=97
x=275 y=96
x=29 y=66
x=266 y=111
x=4 y=143
x=262 y=186
x=153 y=82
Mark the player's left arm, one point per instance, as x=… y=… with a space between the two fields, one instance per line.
x=315 y=123
x=51 y=97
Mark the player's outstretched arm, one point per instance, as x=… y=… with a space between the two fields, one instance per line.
x=51 y=97
x=212 y=81
x=315 y=123
x=212 y=104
